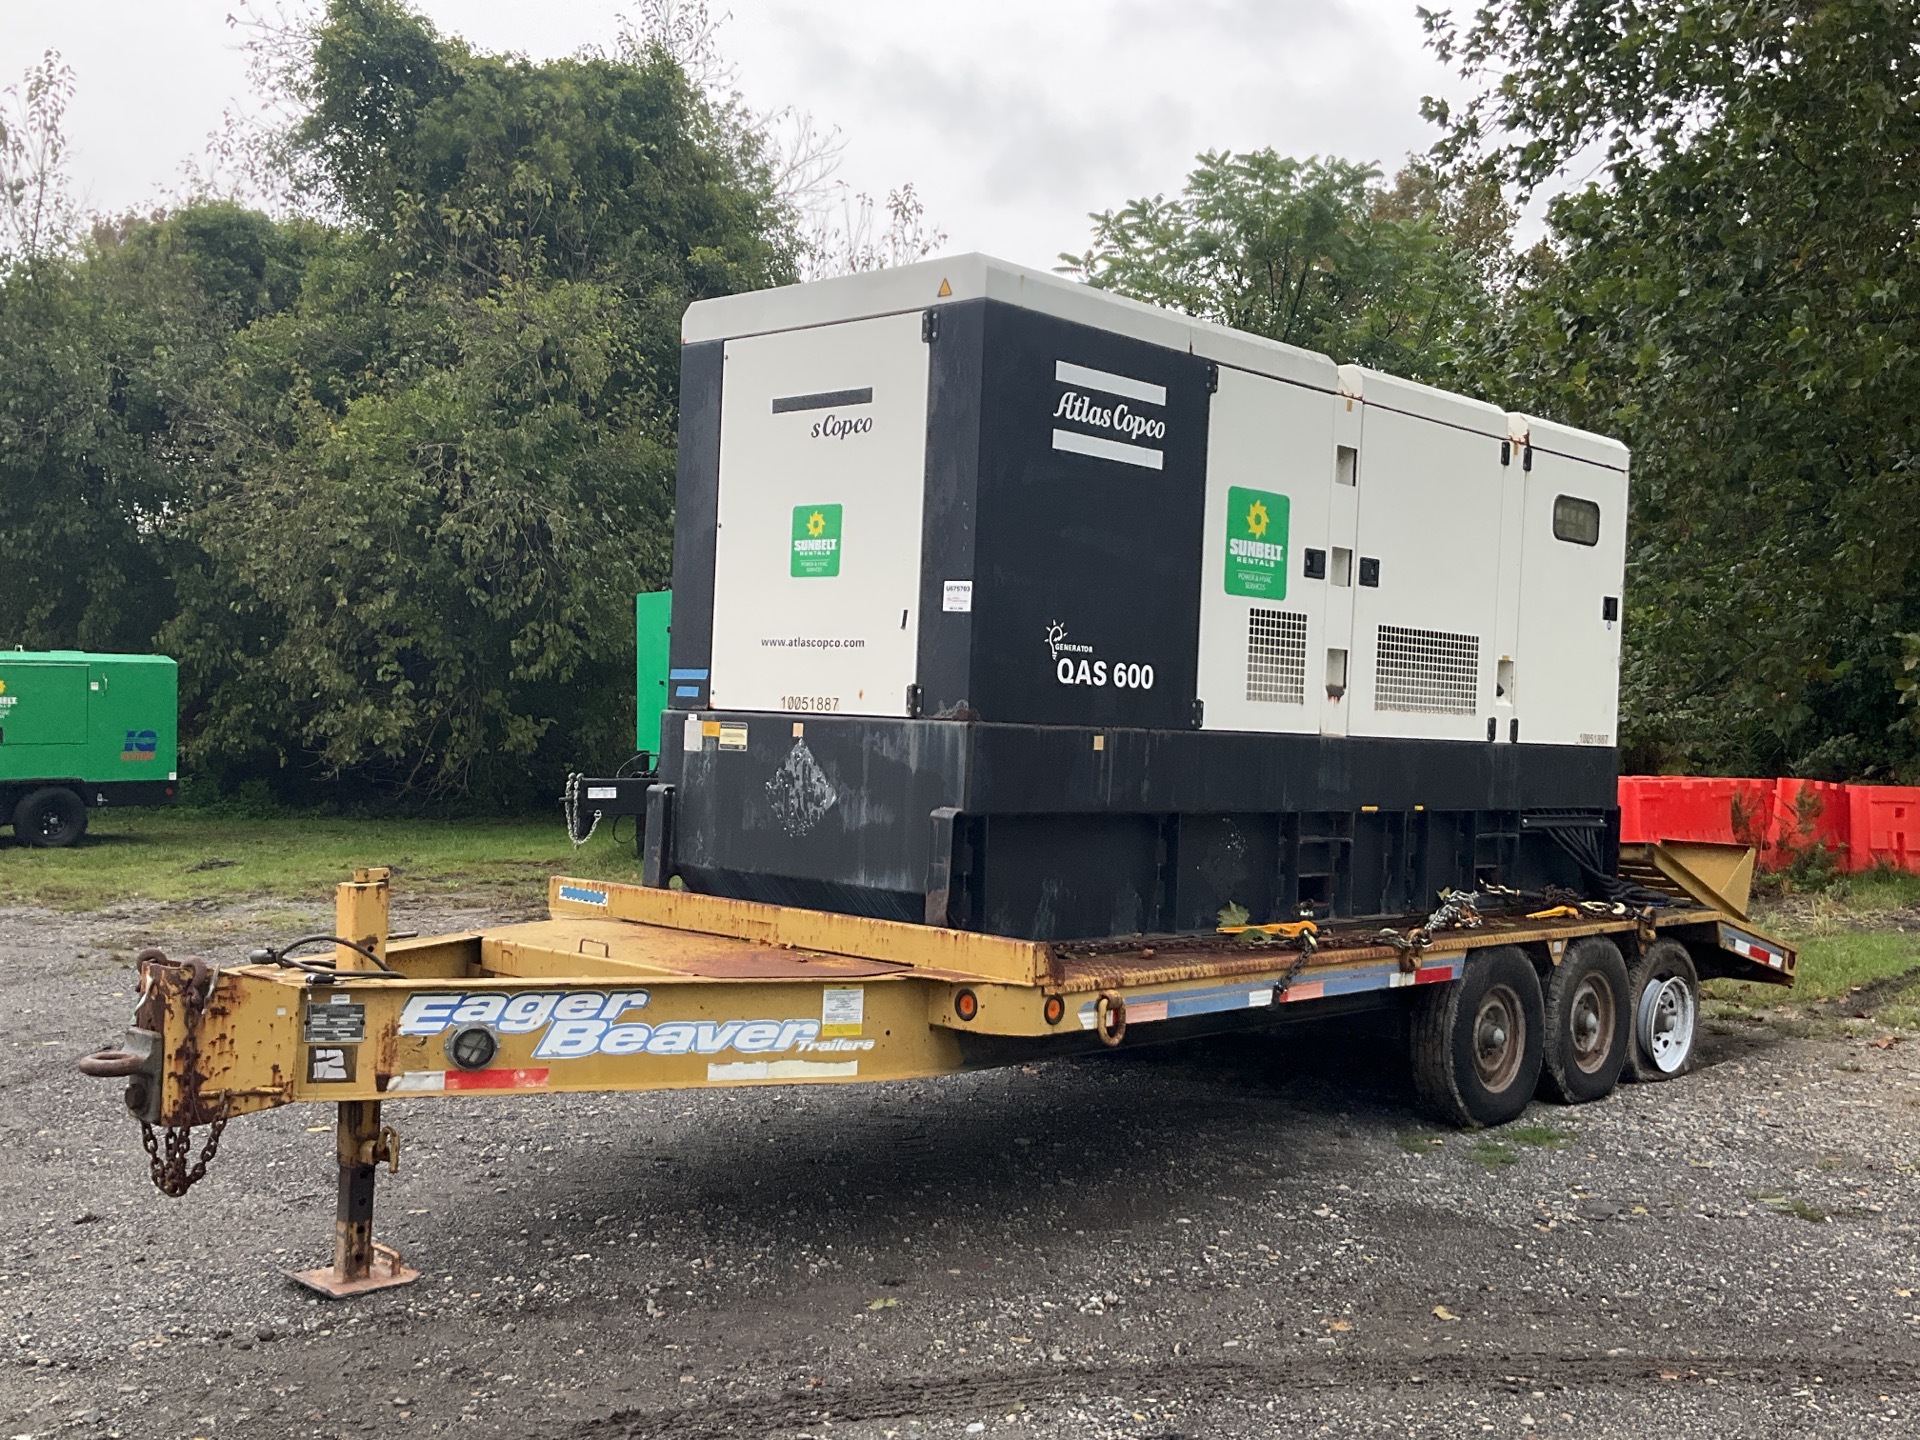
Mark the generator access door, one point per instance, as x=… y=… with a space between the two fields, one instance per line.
x=1426 y=575
x=40 y=704
x=822 y=482
x=1572 y=556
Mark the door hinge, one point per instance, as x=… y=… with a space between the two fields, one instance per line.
x=929 y=326
x=916 y=702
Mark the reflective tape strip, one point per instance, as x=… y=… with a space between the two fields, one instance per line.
x=437 y=1080
x=783 y=1070
x=1179 y=1006
x=1244 y=997
x=1748 y=948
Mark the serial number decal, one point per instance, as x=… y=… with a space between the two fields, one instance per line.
x=821 y=704
x=336 y=1022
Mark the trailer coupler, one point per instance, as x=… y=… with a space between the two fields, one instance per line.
x=165 y=1092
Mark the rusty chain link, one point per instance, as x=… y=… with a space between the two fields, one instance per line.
x=171 y=1175
x=1309 y=943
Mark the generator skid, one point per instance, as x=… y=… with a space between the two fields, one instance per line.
x=631 y=987
x=1010 y=605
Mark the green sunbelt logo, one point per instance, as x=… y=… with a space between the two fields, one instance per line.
x=1256 y=543
x=816 y=541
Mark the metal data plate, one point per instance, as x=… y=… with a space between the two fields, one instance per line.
x=339 y=1022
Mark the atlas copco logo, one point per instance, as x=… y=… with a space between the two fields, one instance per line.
x=1116 y=405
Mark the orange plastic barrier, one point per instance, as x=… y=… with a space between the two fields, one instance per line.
x=1885 y=821
x=1862 y=826
x=1685 y=807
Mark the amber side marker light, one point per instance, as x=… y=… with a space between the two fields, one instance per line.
x=1055 y=1010
x=966 y=1004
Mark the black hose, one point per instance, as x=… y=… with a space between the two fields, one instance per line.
x=283 y=955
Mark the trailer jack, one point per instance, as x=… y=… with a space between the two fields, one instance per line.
x=361 y=1143
x=359 y=1264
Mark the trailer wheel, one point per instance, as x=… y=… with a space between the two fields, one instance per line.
x=50 y=819
x=1663 y=991
x=1476 y=1042
x=1587 y=1022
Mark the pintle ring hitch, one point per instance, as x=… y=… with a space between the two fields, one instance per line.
x=1110 y=1017
x=112 y=1064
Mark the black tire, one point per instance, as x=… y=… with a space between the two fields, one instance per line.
x=1587 y=1023
x=1661 y=1041
x=1476 y=1042
x=50 y=819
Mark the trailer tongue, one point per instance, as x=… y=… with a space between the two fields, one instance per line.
x=628 y=988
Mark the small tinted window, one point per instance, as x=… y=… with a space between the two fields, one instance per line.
x=1576 y=520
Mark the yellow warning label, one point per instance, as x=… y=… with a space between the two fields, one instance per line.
x=945 y=289
x=842 y=1010
x=710 y=728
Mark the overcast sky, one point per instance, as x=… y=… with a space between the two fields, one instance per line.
x=1014 y=120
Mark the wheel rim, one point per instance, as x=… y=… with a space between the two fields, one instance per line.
x=1590 y=1021
x=1666 y=1022
x=50 y=824
x=1499 y=1038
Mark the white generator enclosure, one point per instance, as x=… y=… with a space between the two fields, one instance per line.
x=1012 y=604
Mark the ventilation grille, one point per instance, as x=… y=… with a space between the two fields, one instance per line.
x=1427 y=672
x=1277 y=657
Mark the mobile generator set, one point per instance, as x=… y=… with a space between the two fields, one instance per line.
x=78 y=731
x=1046 y=674
x=1040 y=612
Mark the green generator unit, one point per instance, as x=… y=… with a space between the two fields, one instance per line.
x=80 y=730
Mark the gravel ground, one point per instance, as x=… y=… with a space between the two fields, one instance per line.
x=1238 y=1238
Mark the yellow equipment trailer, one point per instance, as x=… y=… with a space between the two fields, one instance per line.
x=628 y=987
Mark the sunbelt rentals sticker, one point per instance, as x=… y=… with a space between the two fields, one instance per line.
x=1256 y=543
x=816 y=541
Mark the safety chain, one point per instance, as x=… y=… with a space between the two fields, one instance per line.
x=1309 y=943
x=171 y=1176
x=570 y=803
x=1459 y=909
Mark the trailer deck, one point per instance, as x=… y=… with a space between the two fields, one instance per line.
x=628 y=987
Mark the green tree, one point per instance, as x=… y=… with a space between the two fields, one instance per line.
x=427 y=487
x=1316 y=253
x=1736 y=297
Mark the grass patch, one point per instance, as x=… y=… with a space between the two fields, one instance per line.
x=1494 y=1155
x=1415 y=1142
x=170 y=854
x=1793 y=1205
x=1876 y=890
x=1834 y=964
x=1544 y=1136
